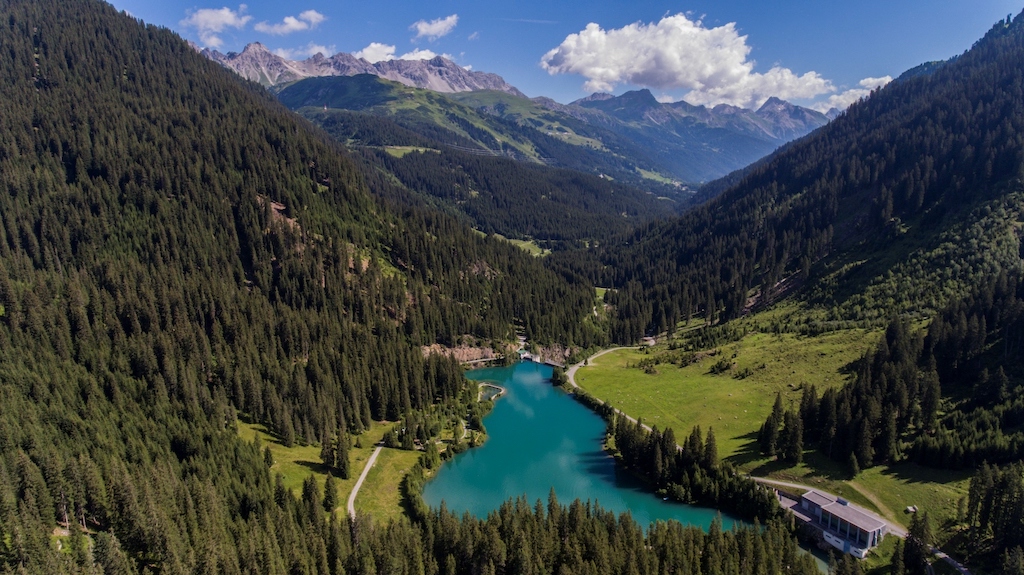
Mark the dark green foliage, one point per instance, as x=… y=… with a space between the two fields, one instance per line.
x=898 y=396
x=768 y=436
x=995 y=508
x=917 y=548
x=896 y=565
x=558 y=377
x=1013 y=562
x=792 y=438
x=691 y=472
x=557 y=207
x=330 y=493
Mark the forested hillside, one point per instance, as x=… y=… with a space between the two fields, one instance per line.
x=558 y=208
x=176 y=250
x=899 y=205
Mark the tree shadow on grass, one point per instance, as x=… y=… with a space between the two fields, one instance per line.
x=748 y=453
x=313 y=466
x=909 y=472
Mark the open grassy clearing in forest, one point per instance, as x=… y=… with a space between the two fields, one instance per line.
x=683 y=397
x=401 y=151
x=529 y=246
x=381 y=494
x=296 y=463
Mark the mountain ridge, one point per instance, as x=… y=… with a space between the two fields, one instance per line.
x=255 y=62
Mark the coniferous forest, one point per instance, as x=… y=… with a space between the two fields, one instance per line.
x=179 y=252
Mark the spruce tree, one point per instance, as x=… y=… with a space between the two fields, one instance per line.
x=330 y=493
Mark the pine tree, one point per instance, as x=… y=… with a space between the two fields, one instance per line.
x=330 y=493
x=710 y=458
x=793 y=438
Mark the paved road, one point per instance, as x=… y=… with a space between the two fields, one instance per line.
x=359 y=483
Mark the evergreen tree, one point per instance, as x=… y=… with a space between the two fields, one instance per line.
x=917 y=548
x=792 y=438
x=330 y=493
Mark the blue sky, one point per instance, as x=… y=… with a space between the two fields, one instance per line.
x=813 y=52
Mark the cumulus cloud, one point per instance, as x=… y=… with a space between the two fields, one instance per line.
x=209 y=22
x=435 y=28
x=677 y=53
x=304 y=21
x=376 y=52
x=306 y=51
x=421 y=55
x=844 y=100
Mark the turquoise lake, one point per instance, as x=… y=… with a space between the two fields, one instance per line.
x=539 y=438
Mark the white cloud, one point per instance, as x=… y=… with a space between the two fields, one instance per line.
x=305 y=51
x=474 y=36
x=844 y=100
x=305 y=21
x=421 y=55
x=376 y=52
x=678 y=54
x=209 y=22
x=435 y=28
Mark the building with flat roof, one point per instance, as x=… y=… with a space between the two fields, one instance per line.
x=844 y=526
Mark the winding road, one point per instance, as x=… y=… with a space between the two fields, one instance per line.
x=359 y=482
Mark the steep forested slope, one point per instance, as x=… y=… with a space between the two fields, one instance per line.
x=177 y=248
x=520 y=200
x=900 y=204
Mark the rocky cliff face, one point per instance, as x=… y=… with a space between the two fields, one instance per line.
x=439 y=74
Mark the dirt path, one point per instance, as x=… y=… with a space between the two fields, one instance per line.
x=359 y=482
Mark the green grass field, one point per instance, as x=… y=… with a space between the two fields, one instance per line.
x=380 y=495
x=683 y=397
x=296 y=463
x=530 y=247
x=400 y=151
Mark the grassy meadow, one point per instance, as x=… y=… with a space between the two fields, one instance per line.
x=736 y=402
x=681 y=397
x=296 y=463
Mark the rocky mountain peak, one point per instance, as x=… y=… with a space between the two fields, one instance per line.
x=440 y=74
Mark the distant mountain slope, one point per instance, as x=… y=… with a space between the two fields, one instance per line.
x=900 y=204
x=684 y=142
x=439 y=74
x=556 y=141
x=694 y=142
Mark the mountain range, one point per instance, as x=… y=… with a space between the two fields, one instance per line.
x=660 y=141
x=255 y=62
